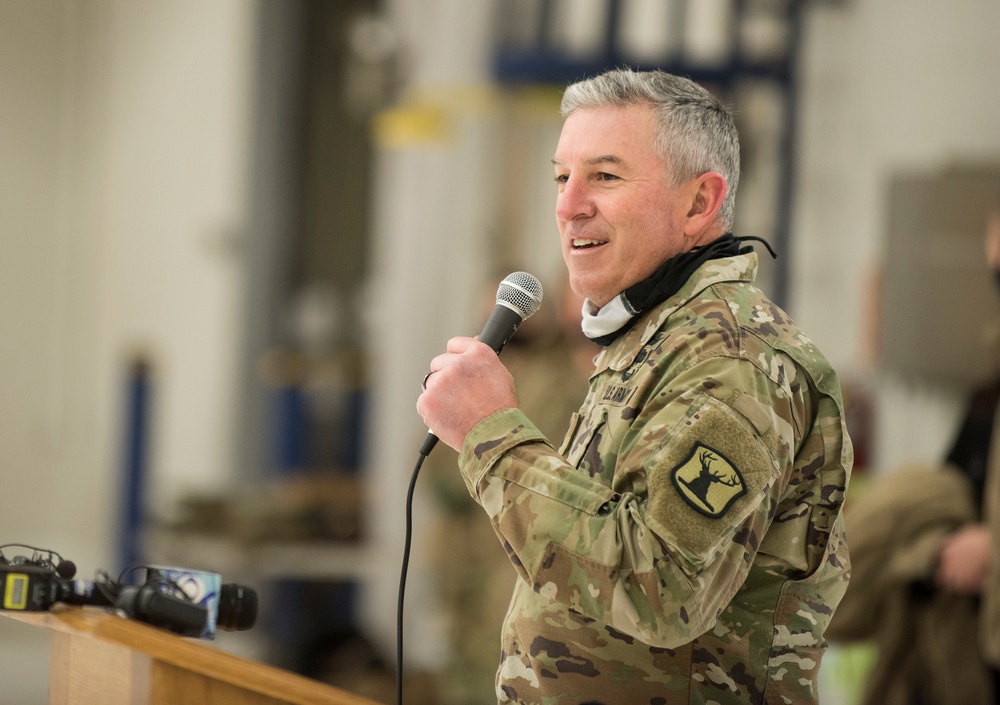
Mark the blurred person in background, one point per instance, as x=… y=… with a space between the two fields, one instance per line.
x=550 y=359
x=923 y=544
x=684 y=544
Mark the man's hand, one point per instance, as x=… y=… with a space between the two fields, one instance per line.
x=467 y=383
x=964 y=561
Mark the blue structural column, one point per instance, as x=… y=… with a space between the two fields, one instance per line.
x=135 y=458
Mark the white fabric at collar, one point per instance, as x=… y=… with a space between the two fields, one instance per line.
x=598 y=322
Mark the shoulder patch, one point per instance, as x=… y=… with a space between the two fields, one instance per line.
x=708 y=481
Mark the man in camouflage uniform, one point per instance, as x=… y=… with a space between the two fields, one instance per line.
x=685 y=544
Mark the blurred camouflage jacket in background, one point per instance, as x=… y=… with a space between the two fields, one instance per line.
x=686 y=544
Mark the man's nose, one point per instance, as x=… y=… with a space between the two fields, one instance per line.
x=574 y=200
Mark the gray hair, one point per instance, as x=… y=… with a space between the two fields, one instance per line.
x=696 y=133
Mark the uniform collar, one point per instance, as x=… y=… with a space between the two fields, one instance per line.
x=620 y=354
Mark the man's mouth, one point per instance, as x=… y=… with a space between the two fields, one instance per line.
x=585 y=243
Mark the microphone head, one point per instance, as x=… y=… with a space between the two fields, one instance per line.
x=237 y=607
x=521 y=292
x=66 y=569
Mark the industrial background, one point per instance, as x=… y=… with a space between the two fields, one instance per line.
x=234 y=232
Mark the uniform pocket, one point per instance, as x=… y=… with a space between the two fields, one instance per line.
x=590 y=445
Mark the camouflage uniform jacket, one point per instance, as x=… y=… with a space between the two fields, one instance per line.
x=685 y=545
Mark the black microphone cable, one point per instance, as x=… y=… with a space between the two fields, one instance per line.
x=402 y=578
x=518 y=298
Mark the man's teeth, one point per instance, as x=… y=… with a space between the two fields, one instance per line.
x=585 y=243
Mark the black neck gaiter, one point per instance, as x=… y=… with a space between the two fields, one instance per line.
x=668 y=280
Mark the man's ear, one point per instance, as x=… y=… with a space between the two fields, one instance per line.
x=708 y=191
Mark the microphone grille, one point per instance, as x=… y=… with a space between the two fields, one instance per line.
x=522 y=292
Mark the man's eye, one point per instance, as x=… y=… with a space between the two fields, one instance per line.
x=605 y=176
x=562 y=178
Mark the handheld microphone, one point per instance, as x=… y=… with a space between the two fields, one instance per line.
x=518 y=298
x=187 y=602
x=230 y=606
x=165 y=608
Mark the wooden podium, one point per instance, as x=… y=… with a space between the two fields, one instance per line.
x=102 y=659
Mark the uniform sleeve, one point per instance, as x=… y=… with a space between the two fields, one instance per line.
x=661 y=549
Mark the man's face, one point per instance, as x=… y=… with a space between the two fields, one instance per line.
x=619 y=217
